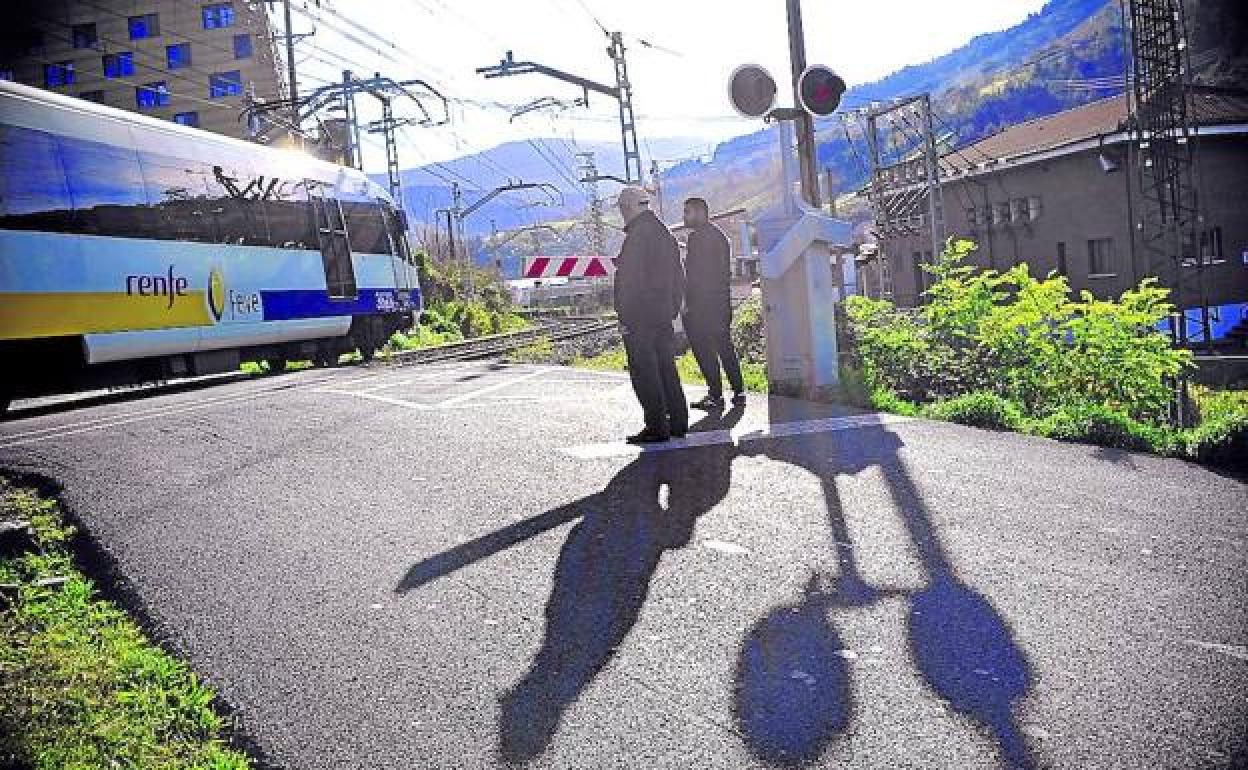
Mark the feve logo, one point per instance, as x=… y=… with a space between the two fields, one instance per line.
x=216 y=293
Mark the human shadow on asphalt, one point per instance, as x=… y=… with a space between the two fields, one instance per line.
x=603 y=576
x=793 y=694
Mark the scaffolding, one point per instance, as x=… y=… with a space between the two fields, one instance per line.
x=1162 y=139
x=904 y=187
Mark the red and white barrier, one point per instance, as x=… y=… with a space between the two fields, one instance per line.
x=569 y=267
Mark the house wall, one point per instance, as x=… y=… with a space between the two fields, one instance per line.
x=1078 y=202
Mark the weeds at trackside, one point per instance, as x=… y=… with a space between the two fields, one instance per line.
x=80 y=685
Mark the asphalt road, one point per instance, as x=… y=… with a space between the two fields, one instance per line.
x=462 y=566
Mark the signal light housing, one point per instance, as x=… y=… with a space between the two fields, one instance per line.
x=752 y=90
x=820 y=89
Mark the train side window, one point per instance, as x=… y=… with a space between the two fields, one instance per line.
x=177 y=191
x=367 y=228
x=33 y=191
x=289 y=212
x=237 y=196
x=106 y=187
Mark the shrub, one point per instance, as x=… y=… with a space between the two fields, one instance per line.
x=1103 y=426
x=748 y=336
x=887 y=401
x=980 y=409
x=1221 y=441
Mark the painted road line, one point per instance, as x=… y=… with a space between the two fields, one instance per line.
x=376 y=397
x=75 y=429
x=735 y=436
x=150 y=411
x=460 y=399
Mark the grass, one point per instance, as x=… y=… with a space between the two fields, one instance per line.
x=80 y=685
x=614 y=360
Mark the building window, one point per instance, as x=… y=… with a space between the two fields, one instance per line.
x=972 y=217
x=1018 y=211
x=218 y=15
x=1211 y=245
x=92 y=96
x=145 y=26
x=1100 y=256
x=119 y=65
x=242 y=46
x=1062 y=268
x=187 y=119
x=58 y=74
x=152 y=95
x=84 y=35
x=1034 y=208
x=178 y=56
x=1001 y=214
x=221 y=84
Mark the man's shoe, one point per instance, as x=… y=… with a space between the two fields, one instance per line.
x=738 y=399
x=709 y=403
x=648 y=436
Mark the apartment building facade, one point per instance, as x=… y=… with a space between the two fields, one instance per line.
x=193 y=62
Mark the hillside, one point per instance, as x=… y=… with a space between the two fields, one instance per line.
x=1036 y=68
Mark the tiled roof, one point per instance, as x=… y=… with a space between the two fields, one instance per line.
x=1209 y=106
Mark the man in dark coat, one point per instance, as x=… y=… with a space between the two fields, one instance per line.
x=649 y=287
x=708 y=307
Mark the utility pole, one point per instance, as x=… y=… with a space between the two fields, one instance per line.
x=656 y=182
x=622 y=92
x=587 y=170
x=830 y=186
x=290 y=66
x=804 y=123
x=628 y=122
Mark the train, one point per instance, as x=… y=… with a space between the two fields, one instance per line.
x=134 y=249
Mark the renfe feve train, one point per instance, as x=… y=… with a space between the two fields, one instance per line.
x=135 y=250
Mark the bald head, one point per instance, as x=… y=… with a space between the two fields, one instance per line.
x=632 y=201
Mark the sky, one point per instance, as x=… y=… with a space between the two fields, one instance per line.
x=679 y=80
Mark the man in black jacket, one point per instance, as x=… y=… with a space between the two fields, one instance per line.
x=649 y=286
x=708 y=307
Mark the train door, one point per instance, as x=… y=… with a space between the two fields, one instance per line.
x=335 y=243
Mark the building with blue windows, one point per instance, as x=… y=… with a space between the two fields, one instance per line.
x=189 y=61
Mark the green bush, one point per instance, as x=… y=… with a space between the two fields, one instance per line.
x=886 y=400
x=1024 y=339
x=748 y=335
x=1101 y=425
x=979 y=409
x=1221 y=441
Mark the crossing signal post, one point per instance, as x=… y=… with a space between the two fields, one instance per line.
x=794 y=238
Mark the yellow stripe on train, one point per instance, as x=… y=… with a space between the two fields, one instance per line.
x=59 y=314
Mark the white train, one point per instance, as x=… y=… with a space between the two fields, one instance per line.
x=133 y=249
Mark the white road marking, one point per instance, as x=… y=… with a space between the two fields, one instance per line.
x=376 y=397
x=1234 y=650
x=735 y=436
x=492 y=388
x=87 y=426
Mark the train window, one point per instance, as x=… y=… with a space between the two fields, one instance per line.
x=291 y=223
x=33 y=192
x=177 y=191
x=106 y=187
x=237 y=206
x=367 y=228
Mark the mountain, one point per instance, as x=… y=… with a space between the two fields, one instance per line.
x=1057 y=58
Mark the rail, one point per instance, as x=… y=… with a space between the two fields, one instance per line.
x=498 y=344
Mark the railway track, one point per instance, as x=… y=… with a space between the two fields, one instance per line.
x=499 y=344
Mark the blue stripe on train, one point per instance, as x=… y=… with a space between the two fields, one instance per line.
x=290 y=304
